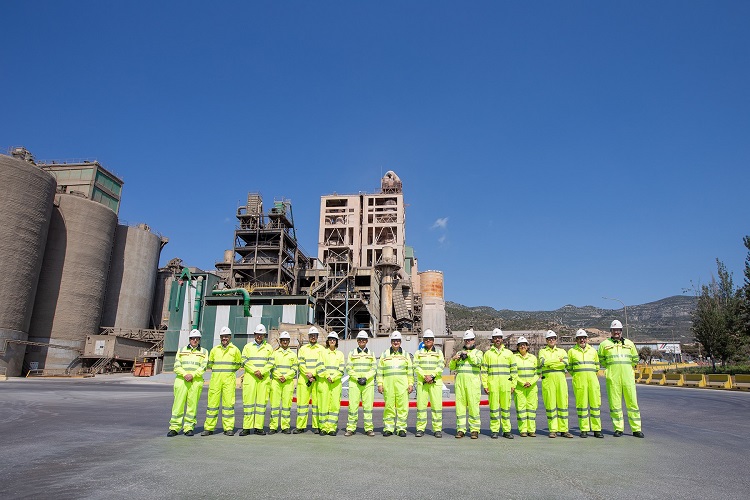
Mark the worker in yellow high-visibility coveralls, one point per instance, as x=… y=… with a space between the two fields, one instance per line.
x=395 y=381
x=552 y=364
x=224 y=360
x=467 y=363
x=282 y=385
x=329 y=390
x=526 y=395
x=257 y=358
x=583 y=363
x=361 y=367
x=310 y=364
x=499 y=380
x=429 y=363
x=619 y=357
x=189 y=365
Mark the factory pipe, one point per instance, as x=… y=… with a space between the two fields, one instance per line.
x=236 y=291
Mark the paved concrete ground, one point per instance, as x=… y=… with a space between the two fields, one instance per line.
x=105 y=438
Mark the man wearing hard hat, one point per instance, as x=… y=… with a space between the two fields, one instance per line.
x=526 y=395
x=361 y=367
x=499 y=380
x=224 y=360
x=552 y=364
x=467 y=363
x=189 y=366
x=619 y=357
x=310 y=365
x=583 y=364
x=282 y=385
x=395 y=381
x=257 y=358
x=428 y=366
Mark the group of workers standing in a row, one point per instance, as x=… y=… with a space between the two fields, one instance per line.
x=270 y=375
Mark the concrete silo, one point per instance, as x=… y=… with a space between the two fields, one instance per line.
x=433 y=302
x=132 y=277
x=73 y=279
x=26 y=195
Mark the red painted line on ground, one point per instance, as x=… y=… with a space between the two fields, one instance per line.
x=412 y=404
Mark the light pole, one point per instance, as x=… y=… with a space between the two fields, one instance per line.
x=627 y=334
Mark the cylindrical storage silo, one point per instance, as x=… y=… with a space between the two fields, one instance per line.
x=69 y=300
x=160 y=304
x=132 y=276
x=433 y=302
x=26 y=195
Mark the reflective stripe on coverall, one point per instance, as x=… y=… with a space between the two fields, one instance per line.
x=194 y=362
x=430 y=362
x=619 y=359
x=527 y=398
x=583 y=365
x=498 y=377
x=329 y=403
x=284 y=365
x=552 y=364
x=223 y=363
x=395 y=374
x=361 y=364
x=255 y=390
x=307 y=395
x=468 y=389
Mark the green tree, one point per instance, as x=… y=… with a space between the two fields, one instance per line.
x=745 y=295
x=717 y=317
x=645 y=354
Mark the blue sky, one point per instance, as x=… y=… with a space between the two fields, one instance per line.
x=551 y=152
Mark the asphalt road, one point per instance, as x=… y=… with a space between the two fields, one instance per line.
x=105 y=438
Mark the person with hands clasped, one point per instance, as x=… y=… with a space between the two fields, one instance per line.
x=526 y=395
x=499 y=380
x=395 y=382
x=428 y=366
x=329 y=393
x=552 y=364
x=361 y=367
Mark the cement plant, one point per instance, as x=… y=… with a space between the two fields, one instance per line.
x=88 y=294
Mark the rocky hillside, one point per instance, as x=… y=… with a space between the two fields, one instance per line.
x=660 y=320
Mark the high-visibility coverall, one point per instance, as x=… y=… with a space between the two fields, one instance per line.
x=395 y=374
x=187 y=361
x=361 y=364
x=499 y=375
x=468 y=389
x=284 y=366
x=552 y=365
x=583 y=365
x=619 y=359
x=309 y=356
x=526 y=398
x=223 y=363
x=329 y=392
x=429 y=363
x=255 y=390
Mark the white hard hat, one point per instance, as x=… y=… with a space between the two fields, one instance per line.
x=313 y=331
x=225 y=331
x=333 y=335
x=550 y=334
x=498 y=333
x=469 y=335
x=362 y=335
x=522 y=340
x=615 y=324
x=260 y=330
x=194 y=333
x=428 y=334
x=581 y=333
x=396 y=335
x=285 y=335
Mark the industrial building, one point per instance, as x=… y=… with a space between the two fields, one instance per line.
x=88 y=293
x=364 y=277
x=74 y=269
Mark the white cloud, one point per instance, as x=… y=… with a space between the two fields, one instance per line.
x=441 y=223
x=442 y=239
